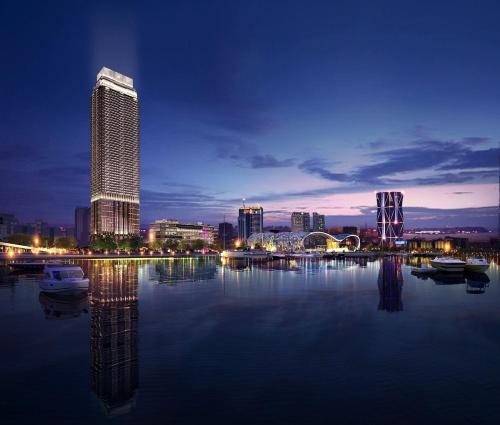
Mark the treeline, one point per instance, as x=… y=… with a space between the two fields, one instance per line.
x=66 y=242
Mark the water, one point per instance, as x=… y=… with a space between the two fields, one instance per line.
x=191 y=341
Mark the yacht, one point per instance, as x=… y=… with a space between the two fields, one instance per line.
x=448 y=264
x=63 y=279
x=476 y=264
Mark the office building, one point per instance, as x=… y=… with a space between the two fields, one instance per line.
x=319 y=223
x=390 y=223
x=8 y=223
x=301 y=222
x=226 y=232
x=82 y=226
x=250 y=220
x=114 y=156
x=165 y=229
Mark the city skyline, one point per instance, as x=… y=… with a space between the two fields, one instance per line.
x=319 y=127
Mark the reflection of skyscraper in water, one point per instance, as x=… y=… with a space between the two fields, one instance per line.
x=390 y=285
x=185 y=270
x=114 y=325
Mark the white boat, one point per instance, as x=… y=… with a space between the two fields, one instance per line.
x=244 y=255
x=448 y=264
x=63 y=279
x=476 y=264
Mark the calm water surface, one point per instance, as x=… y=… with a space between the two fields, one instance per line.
x=192 y=341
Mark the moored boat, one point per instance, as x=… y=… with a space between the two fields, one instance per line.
x=243 y=255
x=476 y=264
x=448 y=264
x=63 y=279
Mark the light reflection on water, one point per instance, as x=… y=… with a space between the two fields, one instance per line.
x=297 y=341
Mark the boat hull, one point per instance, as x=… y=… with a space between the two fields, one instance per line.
x=448 y=267
x=64 y=287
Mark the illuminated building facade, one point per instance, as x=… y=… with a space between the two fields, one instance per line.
x=250 y=221
x=319 y=223
x=301 y=222
x=114 y=156
x=390 y=222
x=162 y=230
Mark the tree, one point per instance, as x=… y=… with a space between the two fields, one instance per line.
x=172 y=244
x=132 y=243
x=20 y=239
x=198 y=244
x=103 y=243
x=67 y=242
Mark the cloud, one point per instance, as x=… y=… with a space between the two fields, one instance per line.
x=472 y=141
x=460 y=193
x=269 y=161
x=429 y=156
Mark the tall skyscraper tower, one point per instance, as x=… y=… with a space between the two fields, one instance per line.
x=318 y=222
x=114 y=156
x=390 y=224
x=301 y=222
x=250 y=220
x=82 y=226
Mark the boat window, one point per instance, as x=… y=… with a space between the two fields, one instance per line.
x=72 y=274
x=57 y=275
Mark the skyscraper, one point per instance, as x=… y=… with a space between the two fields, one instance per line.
x=82 y=226
x=318 y=222
x=226 y=234
x=390 y=224
x=114 y=156
x=250 y=220
x=301 y=222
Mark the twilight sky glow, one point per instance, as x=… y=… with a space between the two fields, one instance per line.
x=294 y=105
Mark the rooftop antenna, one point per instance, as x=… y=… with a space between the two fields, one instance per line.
x=243 y=202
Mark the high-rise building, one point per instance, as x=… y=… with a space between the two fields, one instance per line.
x=114 y=156
x=82 y=226
x=8 y=223
x=226 y=235
x=250 y=220
x=301 y=222
x=390 y=223
x=318 y=222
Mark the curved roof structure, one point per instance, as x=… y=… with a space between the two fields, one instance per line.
x=294 y=241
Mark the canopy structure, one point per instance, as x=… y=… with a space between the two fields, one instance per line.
x=304 y=241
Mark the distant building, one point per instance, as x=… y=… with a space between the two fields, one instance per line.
x=319 y=223
x=301 y=222
x=352 y=230
x=82 y=226
x=441 y=244
x=8 y=223
x=114 y=156
x=163 y=230
x=226 y=232
x=250 y=220
x=390 y=223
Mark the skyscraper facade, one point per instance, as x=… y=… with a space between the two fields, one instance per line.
x=226 y=235
x=318 y=222
x=390 y=222
x=82 y=226
x=114 y=156
x=250 y=220
x=300 y=222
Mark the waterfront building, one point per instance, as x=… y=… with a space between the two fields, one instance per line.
x=8 y=223
x=114 y=156
x=82 y=226
x=319 y=223
x=250 y=221
x=390 y=222
x=170 y=229
x=304 y=241
x=226 y=232
x=301 y=222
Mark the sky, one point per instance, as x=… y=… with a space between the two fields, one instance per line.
x=297 y=106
